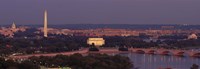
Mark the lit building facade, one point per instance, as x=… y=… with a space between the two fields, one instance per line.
x=96 y=41
x=193 y=36
x=13 y=26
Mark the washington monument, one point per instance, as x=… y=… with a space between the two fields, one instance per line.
x=45 y=24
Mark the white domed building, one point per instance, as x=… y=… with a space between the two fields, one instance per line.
x=96 y=41
x=193 y=36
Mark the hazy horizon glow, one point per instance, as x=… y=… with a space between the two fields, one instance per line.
x=100 y=11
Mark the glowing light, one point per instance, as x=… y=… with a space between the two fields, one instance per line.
x=96 y=41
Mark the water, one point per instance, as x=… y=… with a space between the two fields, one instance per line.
x=148 y=61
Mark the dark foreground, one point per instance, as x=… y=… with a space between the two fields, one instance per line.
x=76 y=61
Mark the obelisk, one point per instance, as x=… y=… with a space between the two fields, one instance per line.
x=45 y=24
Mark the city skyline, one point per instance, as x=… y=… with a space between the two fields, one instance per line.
x=99 y=34
x=101 y=12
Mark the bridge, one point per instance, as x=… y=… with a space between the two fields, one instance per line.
x=175 y=52
x=115 y=50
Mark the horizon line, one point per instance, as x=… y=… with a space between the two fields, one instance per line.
x=102 y=24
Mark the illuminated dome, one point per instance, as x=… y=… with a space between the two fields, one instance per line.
x=13 y=26
x=192 y=36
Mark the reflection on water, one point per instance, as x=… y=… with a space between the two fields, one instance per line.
x=147 y=61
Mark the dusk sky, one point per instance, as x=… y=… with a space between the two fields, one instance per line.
x=101 y=11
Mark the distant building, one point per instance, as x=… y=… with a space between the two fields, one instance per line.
x=193 y=36
x=10 y=31
x=13 y=26
x=96 y=41
x=167 y=27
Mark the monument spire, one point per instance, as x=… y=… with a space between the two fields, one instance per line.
x=45 y=24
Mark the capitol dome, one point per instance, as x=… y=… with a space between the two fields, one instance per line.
x=192 y=36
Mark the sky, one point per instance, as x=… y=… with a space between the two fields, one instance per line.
x=100 y=11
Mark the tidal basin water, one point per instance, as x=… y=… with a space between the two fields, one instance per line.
x=148 y=61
